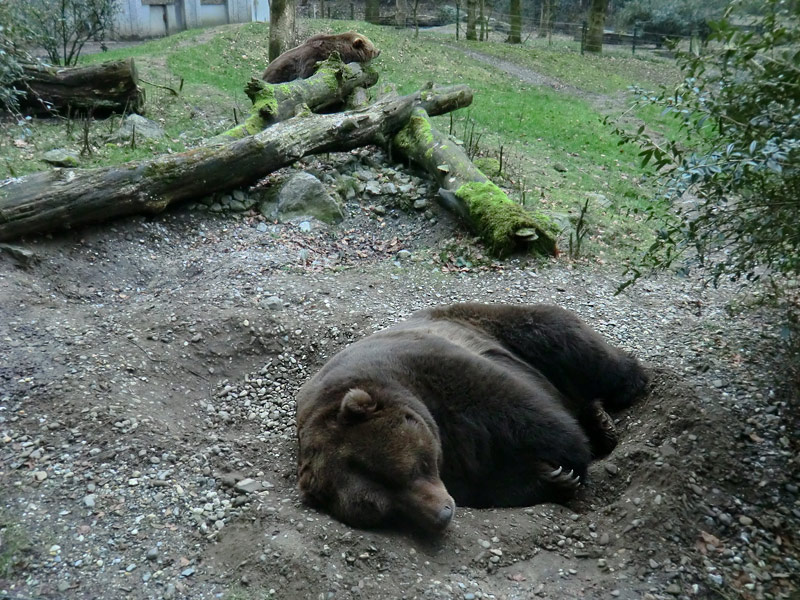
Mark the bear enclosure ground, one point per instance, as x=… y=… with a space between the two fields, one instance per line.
x=147 y=386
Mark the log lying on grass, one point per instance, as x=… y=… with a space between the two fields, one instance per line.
x=330 y=86
x=61 y=198
x=504 y=226
x=104 y=88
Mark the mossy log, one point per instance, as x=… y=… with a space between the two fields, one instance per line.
x=504 y=226
x=101 y=89
x=329 y=87
x=62 y=198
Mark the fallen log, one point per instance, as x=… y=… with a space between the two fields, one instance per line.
x=504 y=226
x=62 y=198
x=330 y=86
x=101 y=89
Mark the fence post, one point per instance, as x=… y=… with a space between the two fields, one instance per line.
x=633 y=44
x=458 y=17
x=352 y=11
x=584 y=29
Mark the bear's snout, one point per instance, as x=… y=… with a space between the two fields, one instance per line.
x=445 y=515
x=430 y=504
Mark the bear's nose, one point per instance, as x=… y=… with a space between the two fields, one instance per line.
x=445 y=516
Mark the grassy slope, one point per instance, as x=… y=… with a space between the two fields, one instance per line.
x=537 y=127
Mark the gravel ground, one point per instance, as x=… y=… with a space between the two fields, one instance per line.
x=147 y=386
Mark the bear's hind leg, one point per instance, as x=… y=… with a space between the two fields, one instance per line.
x=599 y=428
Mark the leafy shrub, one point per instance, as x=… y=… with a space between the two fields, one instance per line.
x=733 y=189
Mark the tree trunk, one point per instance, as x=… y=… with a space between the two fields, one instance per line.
x=597 y=21
x=100 y=89
x=482 y=19
x=546 y=18
x=401 y=14
x=330 y=86
x=515 y=13
x=281 y=27
x=67 y=197
x=472 y=6
x=372 y=11
x=504 y=226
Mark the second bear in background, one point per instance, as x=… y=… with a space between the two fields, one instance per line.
x=301 y=62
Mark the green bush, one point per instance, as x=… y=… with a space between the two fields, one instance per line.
x=732 y=189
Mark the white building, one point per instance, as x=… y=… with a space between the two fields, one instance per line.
x=153 y=18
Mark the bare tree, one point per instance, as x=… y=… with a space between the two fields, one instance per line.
x=401 y=12
x=372 y=11
x=546 y=18
x=416 y=18
x=515 y=14
x=62 y=27
x=282 y=27
x=471 y=17
x=597 y=21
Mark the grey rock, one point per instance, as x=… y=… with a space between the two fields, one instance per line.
x=89 y=500
x=247 y=486
x=61 y=158
x=274 y=303
x=262 y=227
x=303 y=195
x=138 y=125
x=237 y=206
x=421 y=204
x=373 y=187
x=24 y=257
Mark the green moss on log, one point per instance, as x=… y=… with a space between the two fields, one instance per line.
x=498 y=220
x=417 y=133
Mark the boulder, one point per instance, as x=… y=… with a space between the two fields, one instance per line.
x=303 y=195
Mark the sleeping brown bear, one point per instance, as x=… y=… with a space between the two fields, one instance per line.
x=480 y=405
x=301 y=62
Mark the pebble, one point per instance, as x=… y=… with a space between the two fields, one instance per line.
x=40 y=475
x=611 y=468
x=745 y=520
x=89 y=500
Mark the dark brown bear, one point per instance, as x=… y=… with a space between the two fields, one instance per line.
x=301 y=62
x=487 y=405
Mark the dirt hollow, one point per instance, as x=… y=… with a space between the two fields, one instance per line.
x=146 y=415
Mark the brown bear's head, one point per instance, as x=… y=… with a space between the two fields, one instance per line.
x=362 y=46
x=371 y=461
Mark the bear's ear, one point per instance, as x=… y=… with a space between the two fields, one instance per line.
x=356 y=405
x=358 y=43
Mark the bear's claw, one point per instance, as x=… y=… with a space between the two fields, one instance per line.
x=563 y=478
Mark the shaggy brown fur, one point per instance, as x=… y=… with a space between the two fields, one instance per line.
x=487 y=405
x=301 y=62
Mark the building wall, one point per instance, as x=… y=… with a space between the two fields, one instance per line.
x=154 y=18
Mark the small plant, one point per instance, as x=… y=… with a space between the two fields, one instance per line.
x=576 y=238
